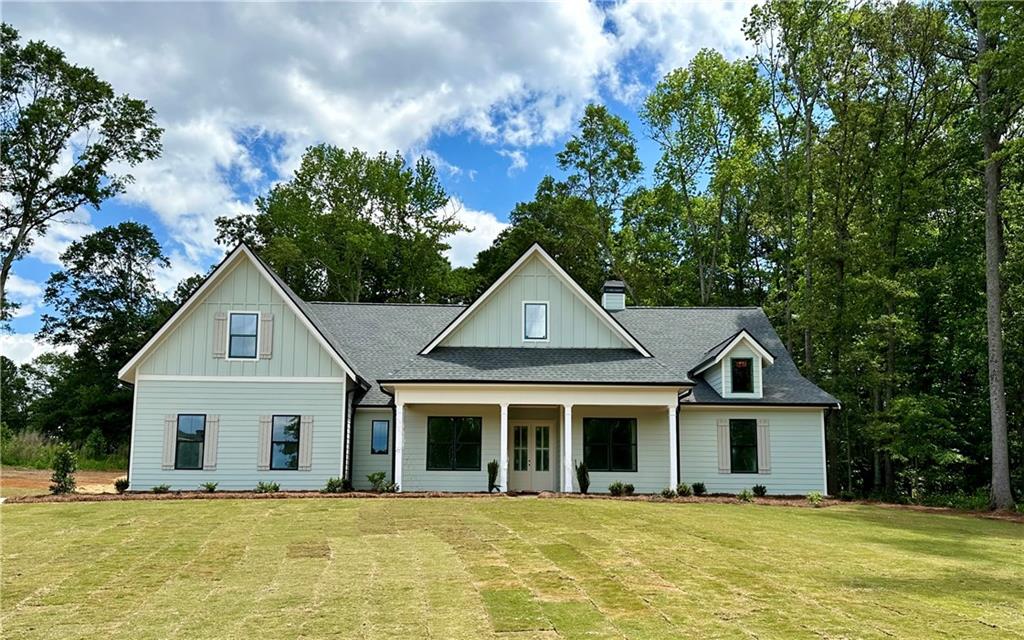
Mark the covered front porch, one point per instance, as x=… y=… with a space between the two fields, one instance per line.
x=445 y=435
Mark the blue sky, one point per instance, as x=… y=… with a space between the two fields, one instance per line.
x=489 y=91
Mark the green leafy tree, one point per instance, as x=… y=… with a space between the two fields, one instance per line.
x=15 y=396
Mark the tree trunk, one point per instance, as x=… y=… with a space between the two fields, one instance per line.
x=809 y=233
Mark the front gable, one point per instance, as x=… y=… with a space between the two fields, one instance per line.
x=498 y=318
x=717 y=367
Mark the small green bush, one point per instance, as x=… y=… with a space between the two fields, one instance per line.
x=267 y=487
x=492 y=476
x=616 y=488
x=684 y=490
x=699 y=489
x=628 y=489
x=668 y=493
x=162 y=488
x=760 y=490
x=208 y=487
x=378 y=480
x=583 y=477
x=65 y=463
x=815 y=498
x=745 y=496
x=846 y=495
x=121 y=485
x=337 y=485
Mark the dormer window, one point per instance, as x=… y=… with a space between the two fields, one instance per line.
x=535 y=321
x=242 y=335
x=742 y=375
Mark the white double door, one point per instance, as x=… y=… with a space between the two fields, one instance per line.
x=532 y=461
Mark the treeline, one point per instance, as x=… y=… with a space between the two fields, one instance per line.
x=842 y=178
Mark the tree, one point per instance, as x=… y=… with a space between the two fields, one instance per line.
x=15 y=396
x=62 y=132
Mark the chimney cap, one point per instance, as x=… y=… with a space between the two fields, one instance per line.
x=614 y=286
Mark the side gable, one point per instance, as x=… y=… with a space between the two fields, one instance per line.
x=574 y=319
x=184 y=345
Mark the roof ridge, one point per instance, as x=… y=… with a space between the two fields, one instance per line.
x=687 y=308
x=389 y=304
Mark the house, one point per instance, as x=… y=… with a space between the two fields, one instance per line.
x=247 y=382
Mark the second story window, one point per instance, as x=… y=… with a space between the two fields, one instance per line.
x=742 y=375
x=242 y=330
x=535 y=321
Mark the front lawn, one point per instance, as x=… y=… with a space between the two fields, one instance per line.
x=482 y=567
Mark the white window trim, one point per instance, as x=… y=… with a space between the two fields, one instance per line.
x=547 y=321
x=227 y=341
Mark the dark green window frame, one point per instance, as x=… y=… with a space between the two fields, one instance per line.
x=609 y=444
x=747 y=375
x=376 y=427
x=743 y=445
x=454 y=443
x=289 y=446
x=190 y=437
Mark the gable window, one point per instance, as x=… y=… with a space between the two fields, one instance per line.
x=379 y=430
x=284 y=443
x=609 y=444
x=535 y=321
x=453 y=443
x=188 y=446
x=743 y=446
x=242 y=333
x=742 y=375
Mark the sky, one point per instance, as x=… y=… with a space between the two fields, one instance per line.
x=488 y=91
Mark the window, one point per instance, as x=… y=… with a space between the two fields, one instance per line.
x=188 y=448
x=543 y=448
x=242 y=329
x=379 y=431
x=742 y=375
x=743 y=445
x=520 y=448
x=453 y=443
x=284 y=443
x=609 y=444
x=535 y=321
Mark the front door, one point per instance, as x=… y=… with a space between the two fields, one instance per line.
x=532 y=455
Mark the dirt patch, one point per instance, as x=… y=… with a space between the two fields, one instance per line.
x=91 y=482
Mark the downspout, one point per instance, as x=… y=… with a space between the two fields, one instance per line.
x=351 y=397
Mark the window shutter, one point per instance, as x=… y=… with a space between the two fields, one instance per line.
x=305 y=443
x=220 y=334
x=266 y=335
x=210 y=443
x=170 y=440
x=263 y=453
x=764 y=449
x=724 y=455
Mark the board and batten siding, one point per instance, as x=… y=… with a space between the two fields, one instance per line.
x=239 y=405
x=652 y=471
x=415 y=476
x=796 y=445
x=188 y=349
x=363 y=462
x=498 y=321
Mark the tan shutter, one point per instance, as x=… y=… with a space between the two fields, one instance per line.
x=210 y=443
x=220 y=334
x=263 y=459
x=170 y=440
x=724 y=457
x=764 y=448
x=266 y=335
x=306 y=443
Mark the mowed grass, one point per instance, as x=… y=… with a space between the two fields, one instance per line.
x=508 y=568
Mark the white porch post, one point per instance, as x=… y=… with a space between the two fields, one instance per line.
x=567 y=467
x=503 y=449
x=399 y=442
x=673 y=447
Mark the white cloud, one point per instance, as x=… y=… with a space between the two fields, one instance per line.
x=23 y=347
x=483 y=228
x=60 y=234
x=22 y=289
x=517 y=160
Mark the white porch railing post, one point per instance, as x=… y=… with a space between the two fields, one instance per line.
x=503 y=449
x=399 y=442
x=673 y=447
x=567 y=466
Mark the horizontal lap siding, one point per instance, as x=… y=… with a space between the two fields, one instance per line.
x=239 y=405
x=415 y=476
x=796 y=451
x=652 y=457
x=363 y=462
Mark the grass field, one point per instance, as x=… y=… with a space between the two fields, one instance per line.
x=500 y=567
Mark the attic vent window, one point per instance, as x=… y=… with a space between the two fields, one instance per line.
x=535 y=321
x=242 y=334
x=742 y=375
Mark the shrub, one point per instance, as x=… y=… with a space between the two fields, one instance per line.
x=760 y=490
x=684 y=490
x=815 y=498
x=121 y=485
x=745 y=496
x=377 y=480
x=267 y=487
x=65 y=463
x=161 y=488
x=492 y=476
x=208 y=487
x=616 y=488
x=628 y=489
x=95 y=446
x=337 y=485
x=668 y=493
x=846 y=495
x=583 y=476
x=699 y=489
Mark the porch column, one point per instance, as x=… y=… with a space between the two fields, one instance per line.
x=399 y=442
x=567 y=467
x=503 y=449
x=673 y=447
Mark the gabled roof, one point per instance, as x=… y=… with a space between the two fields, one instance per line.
x=538 y=251
x=715 y=354
x=295 y=304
